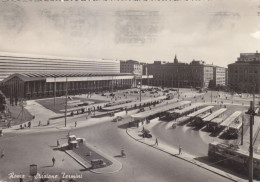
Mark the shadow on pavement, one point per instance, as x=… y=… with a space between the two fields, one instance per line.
x=124 y=126
x=198 y=127
x=47 y=166
x=118 y=156
x=53 y=146
x=225 y=168
x=215 y=133
x=88 y=169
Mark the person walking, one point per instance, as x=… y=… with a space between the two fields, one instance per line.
x=2 y=154
x=76 y=123
x=180 y=150
x=21 y=179
x=53 y=161
x=156 y=142
x=58 y=143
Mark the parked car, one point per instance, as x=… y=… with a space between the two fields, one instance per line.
x=118 y=118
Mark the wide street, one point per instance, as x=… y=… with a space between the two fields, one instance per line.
x=143 y=163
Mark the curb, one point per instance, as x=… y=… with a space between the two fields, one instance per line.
x=89 y=167
x=225 y=176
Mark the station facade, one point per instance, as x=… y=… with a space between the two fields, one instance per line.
x=32 y=76
x=42 y=85
x=22 y=63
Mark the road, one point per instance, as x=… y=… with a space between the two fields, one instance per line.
x=143 y=163
x=194 y=141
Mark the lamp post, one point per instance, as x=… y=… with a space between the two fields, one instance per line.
x=178 y=83
x=140 y=84
x=54 y=92
x=66 y=101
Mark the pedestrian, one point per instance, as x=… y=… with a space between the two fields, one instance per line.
x=53 y=161
x=21 y=178
x=9 y=124
x=180 y=150
x=76 y=123
x=58 y=143
x=29 y=124
x=40 y=123
x=156 y=142
x=2 y=154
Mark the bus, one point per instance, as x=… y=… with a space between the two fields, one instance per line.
x=232 y=124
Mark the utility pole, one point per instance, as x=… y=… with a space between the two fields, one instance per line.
x=252 y=113
x=242 y=132
x=141 y=90
x=54 y=92
x=66 y=101
x=112 y=84
x=251 y=142
x=211 y=96
x=178 y=84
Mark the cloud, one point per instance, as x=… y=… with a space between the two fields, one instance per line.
x=214 y=31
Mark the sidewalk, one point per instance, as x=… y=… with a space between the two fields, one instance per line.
x=113 y=168
x=135 y=132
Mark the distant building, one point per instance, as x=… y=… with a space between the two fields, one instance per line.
x=244 y=74
x=33 y=76
x=194 y=74
x=219 y=76
x=131 y=66
x=177 y=74
x=22 y=63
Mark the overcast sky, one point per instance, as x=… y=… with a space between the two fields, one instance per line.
x=214 y=31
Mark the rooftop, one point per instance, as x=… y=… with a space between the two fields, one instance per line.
x=43 y=76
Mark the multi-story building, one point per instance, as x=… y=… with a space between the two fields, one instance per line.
x=244 y=74
x=131 y=66
x=176 y=74
x=21 y=63
x=219 y=76
x=27 y=76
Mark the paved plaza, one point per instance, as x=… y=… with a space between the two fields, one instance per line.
x=38 y=144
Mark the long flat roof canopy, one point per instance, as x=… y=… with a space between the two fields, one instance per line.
x=69 y=76
x=200 y=111
x=236 y=125
x=214 y=114
x=231 y=118
x=131 y=104
x=186 y=109
x=217 y=120
x=143 y=115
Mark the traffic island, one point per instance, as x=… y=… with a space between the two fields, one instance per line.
x=91 y=158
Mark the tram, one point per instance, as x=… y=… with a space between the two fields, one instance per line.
x=230 y=155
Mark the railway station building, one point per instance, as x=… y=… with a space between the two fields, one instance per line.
x=32 y=77
x=42 y=85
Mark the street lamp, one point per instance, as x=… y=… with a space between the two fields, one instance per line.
x=66 y=101
x=54 y=92
x=140 y=84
